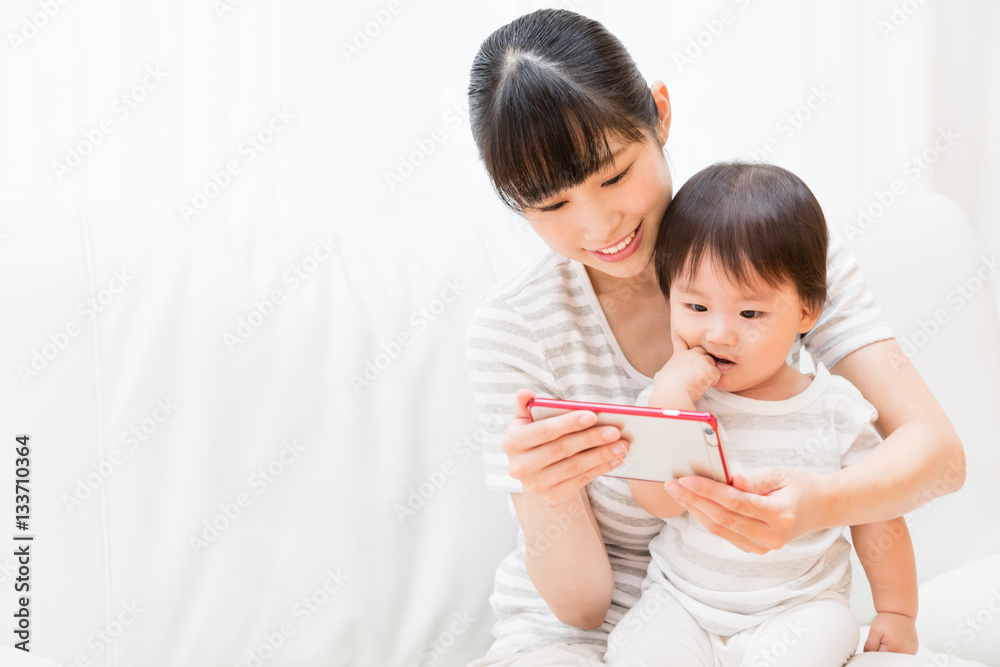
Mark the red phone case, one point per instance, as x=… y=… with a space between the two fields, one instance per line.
x=705 y=418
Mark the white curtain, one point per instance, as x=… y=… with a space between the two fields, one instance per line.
x=358 y=108
x=376 y=93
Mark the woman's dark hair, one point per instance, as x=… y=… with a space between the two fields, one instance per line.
x=546 y=93
x=758 y=222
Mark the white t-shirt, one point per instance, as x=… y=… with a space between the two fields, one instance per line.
x=542 y=328
x=824 y=428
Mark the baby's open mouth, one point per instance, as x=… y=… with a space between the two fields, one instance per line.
x=721 y=362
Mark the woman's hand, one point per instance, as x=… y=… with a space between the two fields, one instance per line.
x=759 y=512
x=554 y=458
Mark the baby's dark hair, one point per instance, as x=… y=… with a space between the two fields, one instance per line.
x=546 y=94
x=758 y=222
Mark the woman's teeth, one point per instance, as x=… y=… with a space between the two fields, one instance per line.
x=618 y=248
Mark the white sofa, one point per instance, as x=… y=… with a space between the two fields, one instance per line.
x=257 y=445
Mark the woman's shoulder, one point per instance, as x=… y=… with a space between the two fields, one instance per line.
x=851 y=318
x=548 y=276
x=539 y=301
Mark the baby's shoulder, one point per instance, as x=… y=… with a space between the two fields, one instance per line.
x=841 y=396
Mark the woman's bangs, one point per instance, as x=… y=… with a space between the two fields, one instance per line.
x=549 y=136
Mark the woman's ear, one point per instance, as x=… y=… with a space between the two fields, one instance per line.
x=662 y=99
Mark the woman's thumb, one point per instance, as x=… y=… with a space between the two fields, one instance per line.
x=521 y=404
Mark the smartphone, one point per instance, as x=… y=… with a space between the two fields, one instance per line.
x=663 y=444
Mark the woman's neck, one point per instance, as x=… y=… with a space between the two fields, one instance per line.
x=604 y=284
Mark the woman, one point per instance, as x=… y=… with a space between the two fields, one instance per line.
x=573 y=140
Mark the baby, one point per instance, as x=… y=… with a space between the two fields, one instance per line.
x=741 y=257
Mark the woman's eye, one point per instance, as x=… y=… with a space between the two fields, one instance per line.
x=618 y=177
x=553 y=207
x=697 y=307
x=751 y=314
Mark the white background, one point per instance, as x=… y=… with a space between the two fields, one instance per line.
x=897 y=73
x=377 y=149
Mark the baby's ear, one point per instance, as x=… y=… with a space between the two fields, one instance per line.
x=809 y=316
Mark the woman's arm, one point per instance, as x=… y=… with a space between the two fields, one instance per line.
x=544 y=465
x=564 y=550
x=566 y=558
x=920 y=459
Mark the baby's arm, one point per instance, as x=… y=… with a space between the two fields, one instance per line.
x=653 y=498
x=892 y=574
x=680 y=382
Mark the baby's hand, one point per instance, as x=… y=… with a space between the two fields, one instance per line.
x=686 y=375
x=896 y=633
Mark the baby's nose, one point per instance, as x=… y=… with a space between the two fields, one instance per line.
x=720 y=333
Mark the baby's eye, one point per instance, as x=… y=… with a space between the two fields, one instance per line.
x=751 y=314
x=697 y=307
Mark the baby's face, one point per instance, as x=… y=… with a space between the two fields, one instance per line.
x=748 y=330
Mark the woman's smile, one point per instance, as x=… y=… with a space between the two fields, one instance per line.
x=623 y=249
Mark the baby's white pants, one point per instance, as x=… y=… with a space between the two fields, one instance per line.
x=659 y=631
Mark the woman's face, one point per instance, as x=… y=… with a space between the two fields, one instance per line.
x=609 y=222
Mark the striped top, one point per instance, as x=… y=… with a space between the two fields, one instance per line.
x=542 y=328
x=827 y=426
